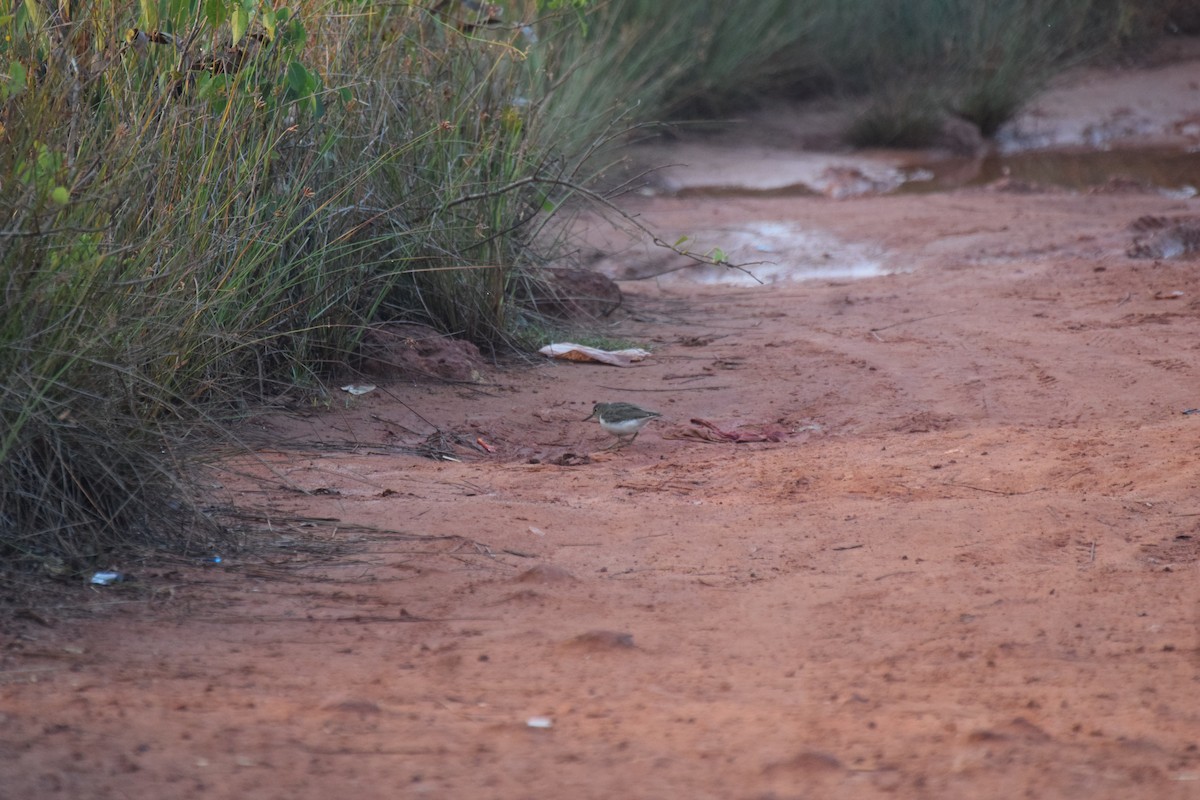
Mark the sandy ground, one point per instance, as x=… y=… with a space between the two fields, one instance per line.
x=968 y=569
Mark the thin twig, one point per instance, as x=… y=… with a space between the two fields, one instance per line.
x=355 y=618
x=1001 y=492
x=908 y=321
x=673 y=389
x=599 y=199
x=1008 y=493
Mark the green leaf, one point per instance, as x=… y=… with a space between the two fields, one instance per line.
x=16 y=79
x=60 y=195
x=149 y=14
x=214 y=88
x=268 y=22
x=215 y=12
x=680 y=241
x=239 y=23
x=718 y=255
x=293 y=34
x=36 y=15
x=300 y=81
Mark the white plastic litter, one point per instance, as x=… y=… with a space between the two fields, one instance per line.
x=569 y=351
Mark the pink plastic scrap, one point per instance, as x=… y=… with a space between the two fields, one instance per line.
x=707 y=431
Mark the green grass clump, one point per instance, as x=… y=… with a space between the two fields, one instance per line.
x=655 y=61
x=191 y=222
x=920 y=60
x=917 y=61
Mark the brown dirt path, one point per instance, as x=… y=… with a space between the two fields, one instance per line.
x=969 y=572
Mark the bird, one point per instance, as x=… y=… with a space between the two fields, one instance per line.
x=621 y=420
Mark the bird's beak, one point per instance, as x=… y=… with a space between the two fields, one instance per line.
x=589 y=416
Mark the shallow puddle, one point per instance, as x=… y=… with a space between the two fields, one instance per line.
x=1170 y=170
x=780 y=251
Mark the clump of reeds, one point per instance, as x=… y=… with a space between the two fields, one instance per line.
x=199 y=212
x=916 y=61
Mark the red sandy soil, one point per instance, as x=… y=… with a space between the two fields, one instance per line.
x=969 y=570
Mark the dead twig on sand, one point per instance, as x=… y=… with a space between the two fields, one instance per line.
x=910 y=321
x=1010 y=493
x=673 y=390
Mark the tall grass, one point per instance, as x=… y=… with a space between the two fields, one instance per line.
x=981 y=61
x=915 y=60
x=669 y=60
x=179 y=238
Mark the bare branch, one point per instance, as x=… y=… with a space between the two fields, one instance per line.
x=601 y=200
